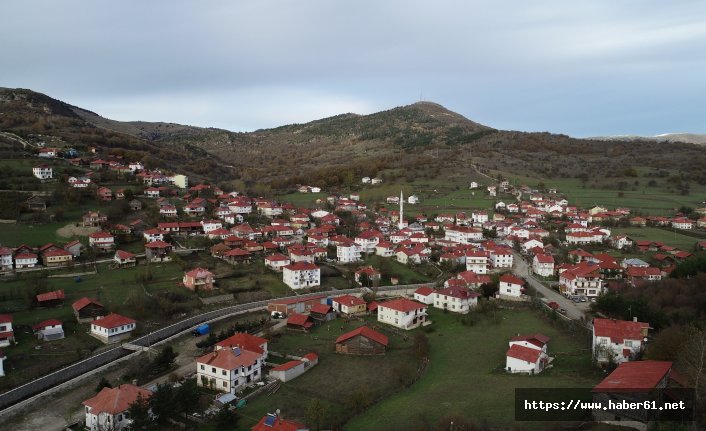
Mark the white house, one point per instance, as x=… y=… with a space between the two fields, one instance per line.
x=530 y=244
x=25 y=260
x=425 y=295
x=347 y=252
x=108 y=409
x=682 y=223
x=277 y=261
x=112 y=328
x=402 y=313
x=543 y=265
x=49 y=330
x=581 y=280
x=477 y=261
x=43 y=172
x=592 y=237
x=7 y=334
x=511 y=286
x=527 y=354
x=229 y=369
x=621 y=340
x=101 y=240
x=5 y=258
x=413 y=199
x=621 y=241
x=463 y=234
x=301 y=275
x=455 y=299
x=501 y=258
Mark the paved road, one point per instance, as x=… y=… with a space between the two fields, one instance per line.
x=523 y=269
x=47 y=383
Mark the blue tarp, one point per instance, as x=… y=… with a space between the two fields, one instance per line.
x=203 y=329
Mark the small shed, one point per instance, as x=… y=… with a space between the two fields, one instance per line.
x=299 y=322
x=87 y=310
x=322 y=313
x=362 y=341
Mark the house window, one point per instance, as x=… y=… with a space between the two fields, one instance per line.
x=213 y=370
x=203 y=367
x=223 y=372
x=225 y=384
x=628 y=343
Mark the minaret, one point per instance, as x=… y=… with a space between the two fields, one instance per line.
x=401 y=224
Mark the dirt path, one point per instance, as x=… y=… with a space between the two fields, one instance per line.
x=71 y=230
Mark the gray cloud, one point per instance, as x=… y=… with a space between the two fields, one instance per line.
x=603 y=67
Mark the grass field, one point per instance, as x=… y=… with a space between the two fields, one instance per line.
x=674 y=239
x=340 y=382
x=13 y=235
x=113 y=288
x=660 y=199
x=462 y=379
x=389 y=267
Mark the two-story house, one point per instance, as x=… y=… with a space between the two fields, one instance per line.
x=402 y=313
x=108 y=409
x=228 y=369
x=618 y=340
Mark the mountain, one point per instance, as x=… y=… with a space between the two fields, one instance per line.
x=34 y=117
x=419 y=141
x=689 y=138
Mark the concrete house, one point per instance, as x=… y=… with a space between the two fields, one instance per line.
x=112 y=328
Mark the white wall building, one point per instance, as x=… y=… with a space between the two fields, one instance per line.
x=402 y=313
x=301 y=275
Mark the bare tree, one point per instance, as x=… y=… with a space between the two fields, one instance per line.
x=692 y=361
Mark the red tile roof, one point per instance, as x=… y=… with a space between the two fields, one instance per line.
x=115 y=400
x=637 y=376
x=157 y=244
x=365 y=332
x=424 y=291
x=122 y=255
x=229 y=359
x=301 y=266
x=619 y=330
x=509 y=278
x=349 y=300
x=273 y=423
x=44 y=324
x=78 y=305
x=538 y=340
x=320 y=309
x=299 y=320
x=199 y=273
x=523 y=353
x=5 y=318
x=245 y=341
x=287 y=366
x=544 y=258
x=402 y=304
x=50 y=296
x=113 y=320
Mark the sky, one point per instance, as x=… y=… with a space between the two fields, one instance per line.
x=592 y=68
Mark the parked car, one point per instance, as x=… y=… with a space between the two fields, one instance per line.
x=278 y=315
x=562 y=311
x=584 y=299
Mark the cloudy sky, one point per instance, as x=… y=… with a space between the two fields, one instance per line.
x=580 y=68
